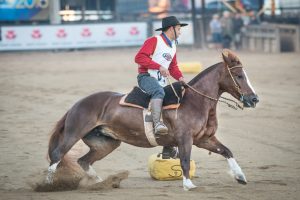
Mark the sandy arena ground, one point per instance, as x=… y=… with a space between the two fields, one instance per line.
x=37 y=88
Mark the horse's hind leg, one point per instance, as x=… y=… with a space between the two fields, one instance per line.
x=59 y=151
x=100 y=146
x=212 y=144
x=64 y=142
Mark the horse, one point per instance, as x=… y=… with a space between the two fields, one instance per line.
x=196 y=123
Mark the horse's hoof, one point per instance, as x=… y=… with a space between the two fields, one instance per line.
x=241 y=179
x=188 y=188
x=241 y=182
x=188 y=185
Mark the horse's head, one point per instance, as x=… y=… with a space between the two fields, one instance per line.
x=235 y=80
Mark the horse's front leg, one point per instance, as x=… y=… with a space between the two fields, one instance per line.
x=185 y=148
x=212 y=144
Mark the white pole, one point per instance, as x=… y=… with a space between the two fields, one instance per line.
x=54 y=8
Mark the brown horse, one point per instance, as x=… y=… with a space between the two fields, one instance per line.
x=196 y=123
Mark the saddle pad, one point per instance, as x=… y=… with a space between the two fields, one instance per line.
x=138 y=98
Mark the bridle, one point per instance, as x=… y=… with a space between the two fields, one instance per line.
x=238 y=88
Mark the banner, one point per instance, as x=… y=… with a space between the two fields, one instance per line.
x=72 y=36
x=24 y=10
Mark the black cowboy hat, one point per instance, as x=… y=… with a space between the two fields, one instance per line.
x=170 y=21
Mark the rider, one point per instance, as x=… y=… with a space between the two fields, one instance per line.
x=157 y=60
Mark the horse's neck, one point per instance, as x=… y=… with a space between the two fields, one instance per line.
x=209 y=83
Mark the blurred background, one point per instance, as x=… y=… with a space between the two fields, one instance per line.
x=257 y=25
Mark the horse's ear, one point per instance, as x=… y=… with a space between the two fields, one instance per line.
x=226 y=56
x=230 y=58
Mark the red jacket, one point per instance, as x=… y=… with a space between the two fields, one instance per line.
x=144 y=60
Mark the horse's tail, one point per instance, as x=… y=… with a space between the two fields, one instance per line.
x=56 y=134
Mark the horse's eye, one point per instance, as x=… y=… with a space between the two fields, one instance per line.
x=240 y=76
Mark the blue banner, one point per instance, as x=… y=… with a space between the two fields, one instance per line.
x=24 y=10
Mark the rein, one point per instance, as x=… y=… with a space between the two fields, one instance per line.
x=178 y=99
x=236 y=104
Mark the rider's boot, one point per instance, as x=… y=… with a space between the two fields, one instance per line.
x=159 y=127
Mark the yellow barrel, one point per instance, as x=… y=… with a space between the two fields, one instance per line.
x=190 y=67
x=167 y=169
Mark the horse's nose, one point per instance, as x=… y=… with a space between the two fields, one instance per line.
x=255 y=99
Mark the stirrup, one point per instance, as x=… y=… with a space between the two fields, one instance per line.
x=170 y=152
x=160 y=129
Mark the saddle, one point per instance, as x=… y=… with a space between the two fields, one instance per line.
x=139 y=99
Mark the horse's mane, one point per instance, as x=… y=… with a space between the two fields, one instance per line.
x=203 y=73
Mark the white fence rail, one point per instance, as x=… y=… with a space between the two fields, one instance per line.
x=80 y=36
